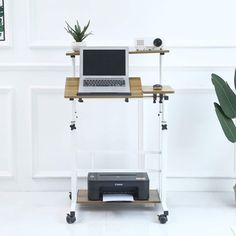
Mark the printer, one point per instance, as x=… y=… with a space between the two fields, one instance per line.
x=135 y=183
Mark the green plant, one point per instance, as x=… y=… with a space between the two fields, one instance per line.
x=1 y=26
x=1 y=11
x=1 y=19
x=76 y=32
x=226 y=109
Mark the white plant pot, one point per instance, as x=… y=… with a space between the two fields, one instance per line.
x=77 y=45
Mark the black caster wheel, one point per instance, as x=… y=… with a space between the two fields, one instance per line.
x=163 y=219
x=70 y=218
x=70 y=195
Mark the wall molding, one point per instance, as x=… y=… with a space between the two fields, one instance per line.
x=183 y=175
x=6 y=174
x=12 y=161
x=34 y=91
x=82 y=173
x=205 y=45
x=202 y=176
x=35 y=173
x=55 y=44
x=35 y=67
x=67 y=66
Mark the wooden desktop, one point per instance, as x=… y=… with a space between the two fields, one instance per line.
x=136 y=88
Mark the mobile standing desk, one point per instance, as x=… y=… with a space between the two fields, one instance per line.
x=138 y=91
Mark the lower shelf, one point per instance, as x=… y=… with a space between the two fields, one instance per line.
x=82 y=197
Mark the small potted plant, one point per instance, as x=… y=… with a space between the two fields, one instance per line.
x=78 y=34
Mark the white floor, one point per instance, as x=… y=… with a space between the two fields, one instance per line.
x=191 y=214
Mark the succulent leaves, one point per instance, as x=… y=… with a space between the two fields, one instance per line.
x=76 y=32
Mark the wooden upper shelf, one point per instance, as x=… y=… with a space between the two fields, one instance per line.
x=161 y=51
x=136 y=88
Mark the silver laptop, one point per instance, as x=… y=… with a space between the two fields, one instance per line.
x=104 y=70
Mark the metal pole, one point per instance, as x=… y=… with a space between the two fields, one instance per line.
x=163 y=156
x=73 y=66
x=141 y=157
x=74 y=139
x=73 y=127
x=162 y=144
x=160 y=68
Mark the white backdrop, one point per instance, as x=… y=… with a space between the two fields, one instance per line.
x=34 y=117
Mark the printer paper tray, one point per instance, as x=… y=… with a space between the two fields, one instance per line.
x=82 y=197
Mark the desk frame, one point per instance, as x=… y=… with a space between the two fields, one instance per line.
x=79 y=196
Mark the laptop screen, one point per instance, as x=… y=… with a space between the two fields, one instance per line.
x=104 y=62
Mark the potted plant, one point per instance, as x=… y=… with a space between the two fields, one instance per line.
x=78 y=34
x=226 y=109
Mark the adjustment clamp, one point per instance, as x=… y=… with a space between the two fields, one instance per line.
x=162 y=96
x=72 y=126
x=154 y=98
x=164 y=126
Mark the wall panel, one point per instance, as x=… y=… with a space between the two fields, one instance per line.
x=7 y=134
x=198 y=145
x=104 y=127
x=50 y=136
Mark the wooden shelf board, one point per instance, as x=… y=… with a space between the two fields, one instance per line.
x=166 y=89
x=77 y=53
x=82 y=197
x=72 y=53
x=161 y=51
x=137 y=90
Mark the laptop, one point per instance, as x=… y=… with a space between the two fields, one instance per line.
x=104 y=71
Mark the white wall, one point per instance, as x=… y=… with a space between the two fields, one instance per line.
x=34 y=117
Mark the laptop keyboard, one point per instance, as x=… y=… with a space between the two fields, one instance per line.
x=104 y=83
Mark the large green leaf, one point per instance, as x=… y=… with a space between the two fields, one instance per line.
x=226 y=96
x=1 y=11
x=235 y=78
x=226 y=123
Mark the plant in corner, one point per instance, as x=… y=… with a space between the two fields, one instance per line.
x=1 y=20
x=78 y=34
x=226 y=109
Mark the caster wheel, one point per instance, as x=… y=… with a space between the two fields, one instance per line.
x=163 y=219
x=70 y=195
x=70 y=218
